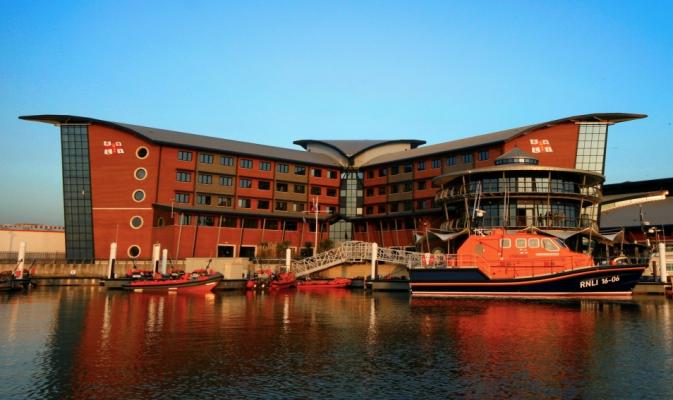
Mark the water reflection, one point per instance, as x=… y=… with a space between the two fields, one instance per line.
x=90 y=343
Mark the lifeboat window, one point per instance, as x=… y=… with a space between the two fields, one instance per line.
x=505 y=243
x=549 y=244
x=533 y=243
x=521 y=243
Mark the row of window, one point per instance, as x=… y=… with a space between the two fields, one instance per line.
x=246 y=183
x=421 y=165
x=235 y=222
x=399 y=206
x=228 y=201
x=245 y=163
x=396 y=188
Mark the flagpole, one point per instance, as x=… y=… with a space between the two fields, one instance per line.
x=315 y=209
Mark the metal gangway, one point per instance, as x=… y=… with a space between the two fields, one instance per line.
x=355 y=252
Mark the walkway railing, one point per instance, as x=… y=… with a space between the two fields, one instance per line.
x=357 y=252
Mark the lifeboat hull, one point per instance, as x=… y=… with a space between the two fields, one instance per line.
x=199 y=285
x=596 y=281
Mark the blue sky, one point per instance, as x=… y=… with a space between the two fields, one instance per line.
x=274 y=72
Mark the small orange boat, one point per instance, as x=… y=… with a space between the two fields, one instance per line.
x=284 y=280
x=322 y=284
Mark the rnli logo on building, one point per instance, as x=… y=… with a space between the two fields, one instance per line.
x=110 y=148
x=540 y=146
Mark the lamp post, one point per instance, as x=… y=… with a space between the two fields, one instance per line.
x=315 y=210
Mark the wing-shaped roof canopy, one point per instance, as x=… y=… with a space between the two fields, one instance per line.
x=352 y=148
x=189 y=140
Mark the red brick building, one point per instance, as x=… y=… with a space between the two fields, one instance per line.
x=201 y=196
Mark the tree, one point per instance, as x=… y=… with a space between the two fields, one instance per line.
x=325 y=245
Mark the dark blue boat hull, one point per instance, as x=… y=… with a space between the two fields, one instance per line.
x=598 y=281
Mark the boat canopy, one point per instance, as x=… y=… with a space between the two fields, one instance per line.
x=608 y=238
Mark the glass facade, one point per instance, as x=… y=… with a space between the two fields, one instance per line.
x=351 y=200
x=591 y=147
x=77 y=193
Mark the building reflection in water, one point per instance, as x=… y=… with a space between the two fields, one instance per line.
x=340 y=343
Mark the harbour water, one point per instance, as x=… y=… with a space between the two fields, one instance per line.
x=85 y=343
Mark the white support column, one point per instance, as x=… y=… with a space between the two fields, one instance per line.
x=164 y=258
x=156 y=254
x=20 y=261
x=288 y=258
x=112 y=260
x=375 y=248
x=662 y=262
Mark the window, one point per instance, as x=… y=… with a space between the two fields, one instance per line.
x=393 y=189
x=250 y=223
x=533 y=243
x=271 y=225
x=229 y=222
x=382 y=190
x=408 y=167
x=331 y=174
x=139 y=195
x=283 y=168
x=316 y=172
x=226 y=181
x=185 y=219
x=421 y=185
x=290 y=225
x=483 y=155
x=281 y=206
x=370 y=173
x=263 y=204
x=520 y=243
x=382 y=208
x=244 y=183
x=185 y=155
x=394 y=170
x=264 y=166
x=134 y=251
x=142 y=152
x=451 y=160
x=369 y=210
x=244 y=203
x=393 y=207
x=299 y=170
x=331 y=192
x=227 y=161
x=205 y=179
x=467 y=158
x=315 y=190
x=421 y=165
x=203 y=199
x=408 y=186
x=183 y=176
x=506 y=243
x=299 y=188
x=549 y=245
x=205 y=158
x=224 y=201
x=140 y=173
x=136 y=222
x=244 y=163
x=436 y=163
x=281 y=187
x=298 y=207
x=383 y=171
x=370 y=192
x=264 y=185
x=182 y=197
x=408 y=205
x=205 y=220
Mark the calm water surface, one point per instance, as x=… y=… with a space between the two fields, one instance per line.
x=88 y=343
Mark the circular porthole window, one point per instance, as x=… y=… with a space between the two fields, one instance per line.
x=142 y=152
x=139 y=195
x=140 y=173
x=136 y=222
x=134 y=251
